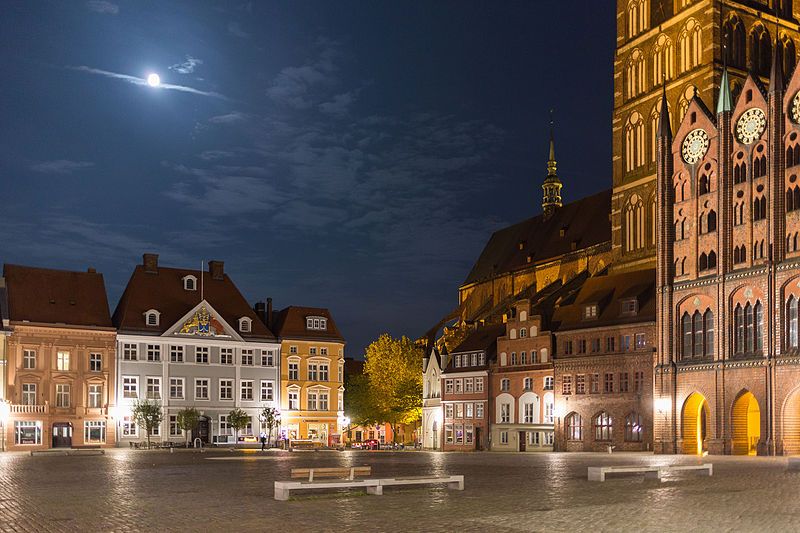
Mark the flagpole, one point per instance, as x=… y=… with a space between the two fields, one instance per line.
x=202 y=266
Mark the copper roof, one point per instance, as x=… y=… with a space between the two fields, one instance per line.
x=608 y=292
x=50 y=296
x=290 y=323
x=585 y=222
x=163 y=291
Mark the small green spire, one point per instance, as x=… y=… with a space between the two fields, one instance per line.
x=725 y=100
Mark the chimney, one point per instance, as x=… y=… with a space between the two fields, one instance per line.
x=261 y=311
x=216 y=269
x=91 y=270
x=150 y=262
x=269 y=313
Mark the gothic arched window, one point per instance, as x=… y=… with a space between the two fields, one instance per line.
x=634 y=74
x=634 y=223
x=690 y=45
x=708 y=323
x=574 y=425
x=663 y=60
x=793 y=198
x=734 y=38
x=634 y=142
x=792 y=323
x=759 y=208
x=788 y=54
x=759 y=166
x=633 y=428
x=760 y=50
x=603 y=426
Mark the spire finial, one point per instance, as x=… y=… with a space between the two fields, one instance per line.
x=552 y=140
x=776 y=71
x=664 y=129
x=551 y=199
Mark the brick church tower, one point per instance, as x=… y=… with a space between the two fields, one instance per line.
x=727 y=368
x=679 y=45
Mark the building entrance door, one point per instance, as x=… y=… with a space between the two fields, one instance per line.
x=478 y=437
x=522 y=436
x=201 y=431
x=746 y=422
x=694 y=424
x=62 y=435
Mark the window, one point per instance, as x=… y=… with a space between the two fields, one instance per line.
x=504 y=385
x=294 y=400
x=625 y=343
x=698 y=334
x=505 y=413
x=226 y=389
x=523 y=358
x=312 y=350
x=323 y=350
x=130 y=352
x=481 y=359
x=268 y=358
x=247 y=390
x=582 y=346
x=27 y=432
x=549 y=409
x=478 y=384
x=448 y=434
x=129 y=427
x=316 y=322
x=189 y=283
x=153 y=352
x=523 y=333
x=267 y=391
x=608 y=383
x=152 y=317
x=312 y=401
x=176 y=354
x=603 y=425
x=448 y=410
x=469 y=385
x=294 y=371
x=594 y=384
x=548 y=382
x=529 y=413
x=566 y=385
x=528 y=384
x=176 y=388
x=29 y=394
x=292 y=349
x=312 y=371
x=623 y=382
x=574 y=427
x=513 y=358
x=153 y=388
x=590 y=311
x=247 y=357
x=580 y=384
x=633 y=428
x=201 y=354
x=792 y=323
x=641 y=342
x=634 y=222
x=245 y=324
x=95 y=362
x=94 y=432
x=29 y=359
x=479 y=410
x=201 y=389
x=469 y=410
x=448 y=386
x=596 y=345
x=638 y=381
x=323 y=401
x=759 y=208
x=610 y=344
x=174 y=428
x=567 y=347
x=634 y=74
x=323 y=372
x=690 y=46
x=130 y=386
x=457 y=361
x=226 y=356
x=504 y=437
x=224 y=429
x=634 y=142
x=468 y=434
x=62 y=361
x=63 y=395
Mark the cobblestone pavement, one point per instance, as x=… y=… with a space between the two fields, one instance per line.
x=127 y=490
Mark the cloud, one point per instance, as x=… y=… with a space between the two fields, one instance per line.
x=236 y=30
x=188 y=66
x=300 y=87
x=229 y=118
x=60 y=166
x=135 y=80
x=102 y=6
x=340 y=104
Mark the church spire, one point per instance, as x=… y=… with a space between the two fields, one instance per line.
x=776 y=71
x=725 y=100
x=551 y=199
x=664 y=129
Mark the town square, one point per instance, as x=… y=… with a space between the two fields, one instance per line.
x=346 y=265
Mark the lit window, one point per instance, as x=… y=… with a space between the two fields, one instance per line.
x=29 y=359
x=62 y=361
x=590 y=311
x=153 y=388
x=94 y=432
x=130 y=387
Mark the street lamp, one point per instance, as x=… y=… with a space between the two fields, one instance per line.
x=5 y=412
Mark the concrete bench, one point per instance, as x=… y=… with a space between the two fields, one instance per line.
x=453 y=482
x=793 y=464
x=708 y=467
x=70 y=451
x=598 y=473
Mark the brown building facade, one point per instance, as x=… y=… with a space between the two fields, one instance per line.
x=61 y=360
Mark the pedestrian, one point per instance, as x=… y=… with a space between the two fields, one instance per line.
x=263 y=441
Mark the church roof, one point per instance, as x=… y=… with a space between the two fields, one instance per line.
x=584 y=221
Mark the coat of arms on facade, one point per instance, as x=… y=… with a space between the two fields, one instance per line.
x=202 y=323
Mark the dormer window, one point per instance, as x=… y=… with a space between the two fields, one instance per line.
x=317 y=322
x=152 y=317
x=189 y=283
x=245 y=324
x=590 y=311
x=629 y=306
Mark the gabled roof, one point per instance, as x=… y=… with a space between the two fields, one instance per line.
x=482 y=339
x=608 y=292
x=290 y=323
x=163 y=291
x=585 y=221
x=51 y=296
x=3 y=305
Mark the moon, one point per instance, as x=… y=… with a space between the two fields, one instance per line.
x=153 y=80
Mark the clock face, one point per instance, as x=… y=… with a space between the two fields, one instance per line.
x=796 y=108
x=695 y=146
x=750 y=126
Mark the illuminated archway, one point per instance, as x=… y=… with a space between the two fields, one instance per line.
x=745 y=425
x=791 y=424
x=694 y=424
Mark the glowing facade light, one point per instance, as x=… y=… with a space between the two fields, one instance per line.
x=661 y=405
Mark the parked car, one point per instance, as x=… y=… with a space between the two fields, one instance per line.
x=370 y=444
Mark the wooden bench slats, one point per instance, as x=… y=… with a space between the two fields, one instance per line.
x=344 y=472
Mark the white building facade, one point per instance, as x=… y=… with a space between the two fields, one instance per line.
x=432 y=414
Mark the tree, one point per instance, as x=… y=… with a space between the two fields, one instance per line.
x=238 y=420
x=147 y=416
x=188 y=419
x=359 y=402
x=394 y=370
x=272 y=419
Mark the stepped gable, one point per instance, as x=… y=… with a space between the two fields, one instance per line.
x=163 y=291
x=290 y=323
x=585 y=221
x=50 y=296
x=608 y=292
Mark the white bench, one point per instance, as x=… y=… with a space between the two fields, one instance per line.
x=598 y=473
x=453 y=482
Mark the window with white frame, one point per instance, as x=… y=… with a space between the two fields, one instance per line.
x=469 y=385
x=176 y=388
x=130 y=386
x=341 y=373
x=130 y=352
x=201 y=388
x=340 y=400
x=459 y=433
x=247 y=357
x=27 y=432
x=469 y=410
x=129 y=427
x=153 y=388
x=549 y=410
x=29 y=394
x=459 y=386
x=316 y=322
x=95 y=396
x=152 y=317
x=246 y=390
x=94 y=432
x=448 y=434
x=323 y=372
x=294 y=399
x=478 y=384
x=312 y=350
x=201 y=354
x=504 y=437
x=479 y=410
x=448 y=386
x=267 y=391
x=63 y=395
x=323 y=350
x=224 y=429
x=226 y=389
x=95 y=362
x=323 y=401
x=174 y=429
x=529 y=412
x=448 y=410
x=457 y=361
x=176 y=354
x=156 y=431
x=29 y=359
x=311 y=400
x=189 y=283
x=312 y=371
x=590 y=311
x=62 y=361
x=481 y=359
x=292 y=349
x=153 y=352
x=294 y=371
x=505 y=384
x=267 y=358
x=528 y=383
x=226 y=356
x=245 y=324
x=505 y=413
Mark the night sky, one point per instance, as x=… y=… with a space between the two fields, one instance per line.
x=352 y=155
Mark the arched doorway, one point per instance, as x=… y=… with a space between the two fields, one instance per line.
x=791 y=424
x=745 y=425
x=694 y=424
